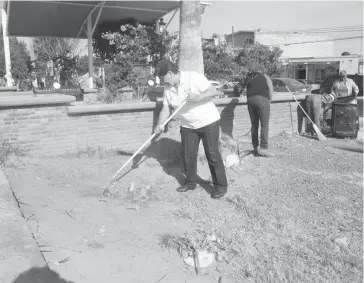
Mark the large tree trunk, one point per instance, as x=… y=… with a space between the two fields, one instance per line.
x=190 y=46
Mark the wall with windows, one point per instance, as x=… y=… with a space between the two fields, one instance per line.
x=241 y=38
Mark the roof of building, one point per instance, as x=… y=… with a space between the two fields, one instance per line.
x=241 y=31
x=68 y=18
x=319 y=59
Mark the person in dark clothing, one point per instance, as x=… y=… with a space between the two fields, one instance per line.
x=300 y=114
x=259 y=94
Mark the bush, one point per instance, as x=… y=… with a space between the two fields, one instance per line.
x=124 y=45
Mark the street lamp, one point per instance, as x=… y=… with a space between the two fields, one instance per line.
x=162 y=24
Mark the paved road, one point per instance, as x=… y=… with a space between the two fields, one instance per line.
x=19 y=252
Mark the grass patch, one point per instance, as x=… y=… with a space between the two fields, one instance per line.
x=96 y=152
x=7 y=150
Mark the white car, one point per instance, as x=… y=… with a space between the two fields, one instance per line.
x=312 y=84
x=216 y=84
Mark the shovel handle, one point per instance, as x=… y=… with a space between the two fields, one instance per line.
x=300 y=105
x=149 y=140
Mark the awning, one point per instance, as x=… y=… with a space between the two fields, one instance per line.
x=68 y=18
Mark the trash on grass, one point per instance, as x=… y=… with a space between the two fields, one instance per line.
x=232 y=160
x=342 y=241
x=211 y=238
x=132 y=187
x=134 y=206
x=204 y=259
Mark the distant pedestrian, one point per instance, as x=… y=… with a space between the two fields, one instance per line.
x=200 y=120
x=259 y=96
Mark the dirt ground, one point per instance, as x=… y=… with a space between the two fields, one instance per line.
x=293 y=218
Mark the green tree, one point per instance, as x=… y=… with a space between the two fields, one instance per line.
x=82 y=64
x=62 y=52
x=20 y=62
x=258 y=57
x=126 y=44
x=218 y=61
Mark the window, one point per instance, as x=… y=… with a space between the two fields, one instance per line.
x=318 y=75
x=248 y=41
x=278 y=83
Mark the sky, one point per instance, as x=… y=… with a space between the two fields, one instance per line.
x=278 y=15
x=281 y=16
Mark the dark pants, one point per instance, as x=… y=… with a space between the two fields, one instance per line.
x=190 y=143
x=313 y=105
x=259 y=110
x=300 y=114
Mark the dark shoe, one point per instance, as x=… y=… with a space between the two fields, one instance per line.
x=217 y=195
x=185 y=188
x=255 y=151
x=265 y=153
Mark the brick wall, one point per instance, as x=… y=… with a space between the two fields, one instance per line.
x=51 y=130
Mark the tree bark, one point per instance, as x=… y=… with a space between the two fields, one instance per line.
x=190 y=46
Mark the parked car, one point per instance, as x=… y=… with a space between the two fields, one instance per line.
x=216 y=84
x=229 y=85
x=313 y=85
x=326 y=85
x=239 y=89
x=280 y=84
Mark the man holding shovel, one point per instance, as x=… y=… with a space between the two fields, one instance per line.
x=200 y=120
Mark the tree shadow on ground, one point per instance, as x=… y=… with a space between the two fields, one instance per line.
x=40 y=275
x=168 y=153
x=227 y=118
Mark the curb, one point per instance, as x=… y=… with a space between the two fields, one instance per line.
x=19 y=251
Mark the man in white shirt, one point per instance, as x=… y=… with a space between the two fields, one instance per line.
x=200 y=120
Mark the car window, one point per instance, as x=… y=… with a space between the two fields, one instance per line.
x=292 y=82
x=277 y=83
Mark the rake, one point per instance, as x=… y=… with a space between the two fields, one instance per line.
x=320 y=135
x=107 y=190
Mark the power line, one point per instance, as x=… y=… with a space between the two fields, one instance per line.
x=343 y=28
x=313 y=32
x=332 y=28
x=314 y=41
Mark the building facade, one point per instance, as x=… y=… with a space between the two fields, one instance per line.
x=305 y=56
x=316 y=69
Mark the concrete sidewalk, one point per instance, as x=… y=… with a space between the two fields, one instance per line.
x=19 y=253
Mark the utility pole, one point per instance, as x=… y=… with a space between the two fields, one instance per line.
x=232 y=39
x=8 y=76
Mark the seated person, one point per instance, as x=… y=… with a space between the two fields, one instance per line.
x=341 y=89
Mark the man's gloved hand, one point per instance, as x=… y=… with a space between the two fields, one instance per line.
x=159 y=129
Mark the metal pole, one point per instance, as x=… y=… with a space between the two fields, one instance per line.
x=6 y=48
x=90 y=57
x=103 y=78
x=306 y=72
x=294 y=71
x=232 y=39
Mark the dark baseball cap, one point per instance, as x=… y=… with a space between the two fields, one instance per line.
x=163 y=67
